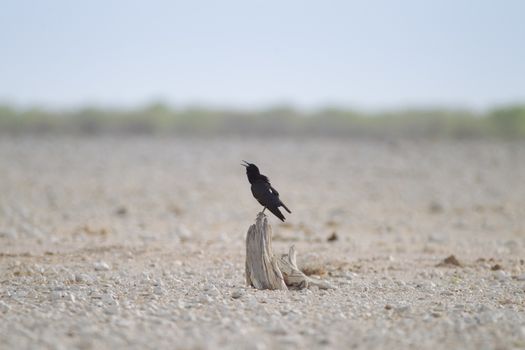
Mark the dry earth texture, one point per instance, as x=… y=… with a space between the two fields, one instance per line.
x=139 y=243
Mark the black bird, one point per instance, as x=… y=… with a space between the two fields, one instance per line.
x=263 y=191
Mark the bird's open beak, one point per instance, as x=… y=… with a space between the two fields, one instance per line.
x=245 y=165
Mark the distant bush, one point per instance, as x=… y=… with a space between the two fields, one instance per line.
x=157 y=118
x=508 y=122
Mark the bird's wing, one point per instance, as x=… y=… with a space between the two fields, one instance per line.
x=276 y=194
x=262 y=192
x=275 y=211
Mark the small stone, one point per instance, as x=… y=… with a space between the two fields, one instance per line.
x=183 y=233
x=84 y=278
x=157 y=282
x=121 y=211
x=324 y=341
x=101 y=266
x=71 y=297
x=435 y=207
x=145 y=279
x=402 y=309
x=59 y=287
x=333 y=237
x=436 y=274
x=496 y=267
x=4 y=307
x=350 y=275
x=451 y=260
x=56 y=295
x=236 y=294
x=71 y=277
x=213 y=291
x=436 y=238
x=459 y=307
x=483 y=308
x=205 y=299
x=111 y=310
x=108 y=299
x=501 y=275
x=521 y=277
x=96 y=295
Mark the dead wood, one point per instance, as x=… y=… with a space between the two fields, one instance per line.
x=266 y=271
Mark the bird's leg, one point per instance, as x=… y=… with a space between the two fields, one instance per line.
x=264 y=209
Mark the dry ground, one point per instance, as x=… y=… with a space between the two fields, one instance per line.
x=139 y=243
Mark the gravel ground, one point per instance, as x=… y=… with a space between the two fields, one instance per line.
x=139 y=243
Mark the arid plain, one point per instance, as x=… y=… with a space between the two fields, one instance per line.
x=138 y=242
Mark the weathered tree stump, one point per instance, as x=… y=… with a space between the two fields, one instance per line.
x=266 y=271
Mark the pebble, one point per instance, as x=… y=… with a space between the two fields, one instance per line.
x=521 y=277
x=205 y=299
x=350 y=275
x=181 y=304
x=71 y=277
x=101 y=266
x=59 y=287
x=211 y=290
x=84 y=278
x=402 y=309
x=236 y=294
x=459 y=307
x=183 y=233
x=157 y=282
x=111 y=309
x=501 y=275
x=56 y=295
x=108 y=299
x=71 y=297
x=434 y=238
x=4 y=307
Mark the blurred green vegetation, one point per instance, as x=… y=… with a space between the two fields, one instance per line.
x=506 y=122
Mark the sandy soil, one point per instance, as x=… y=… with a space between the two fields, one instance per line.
x=139 y=243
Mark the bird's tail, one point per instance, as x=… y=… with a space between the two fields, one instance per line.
x=285 y=207
x=277 y=213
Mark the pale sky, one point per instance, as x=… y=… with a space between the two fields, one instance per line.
x=366 y=54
